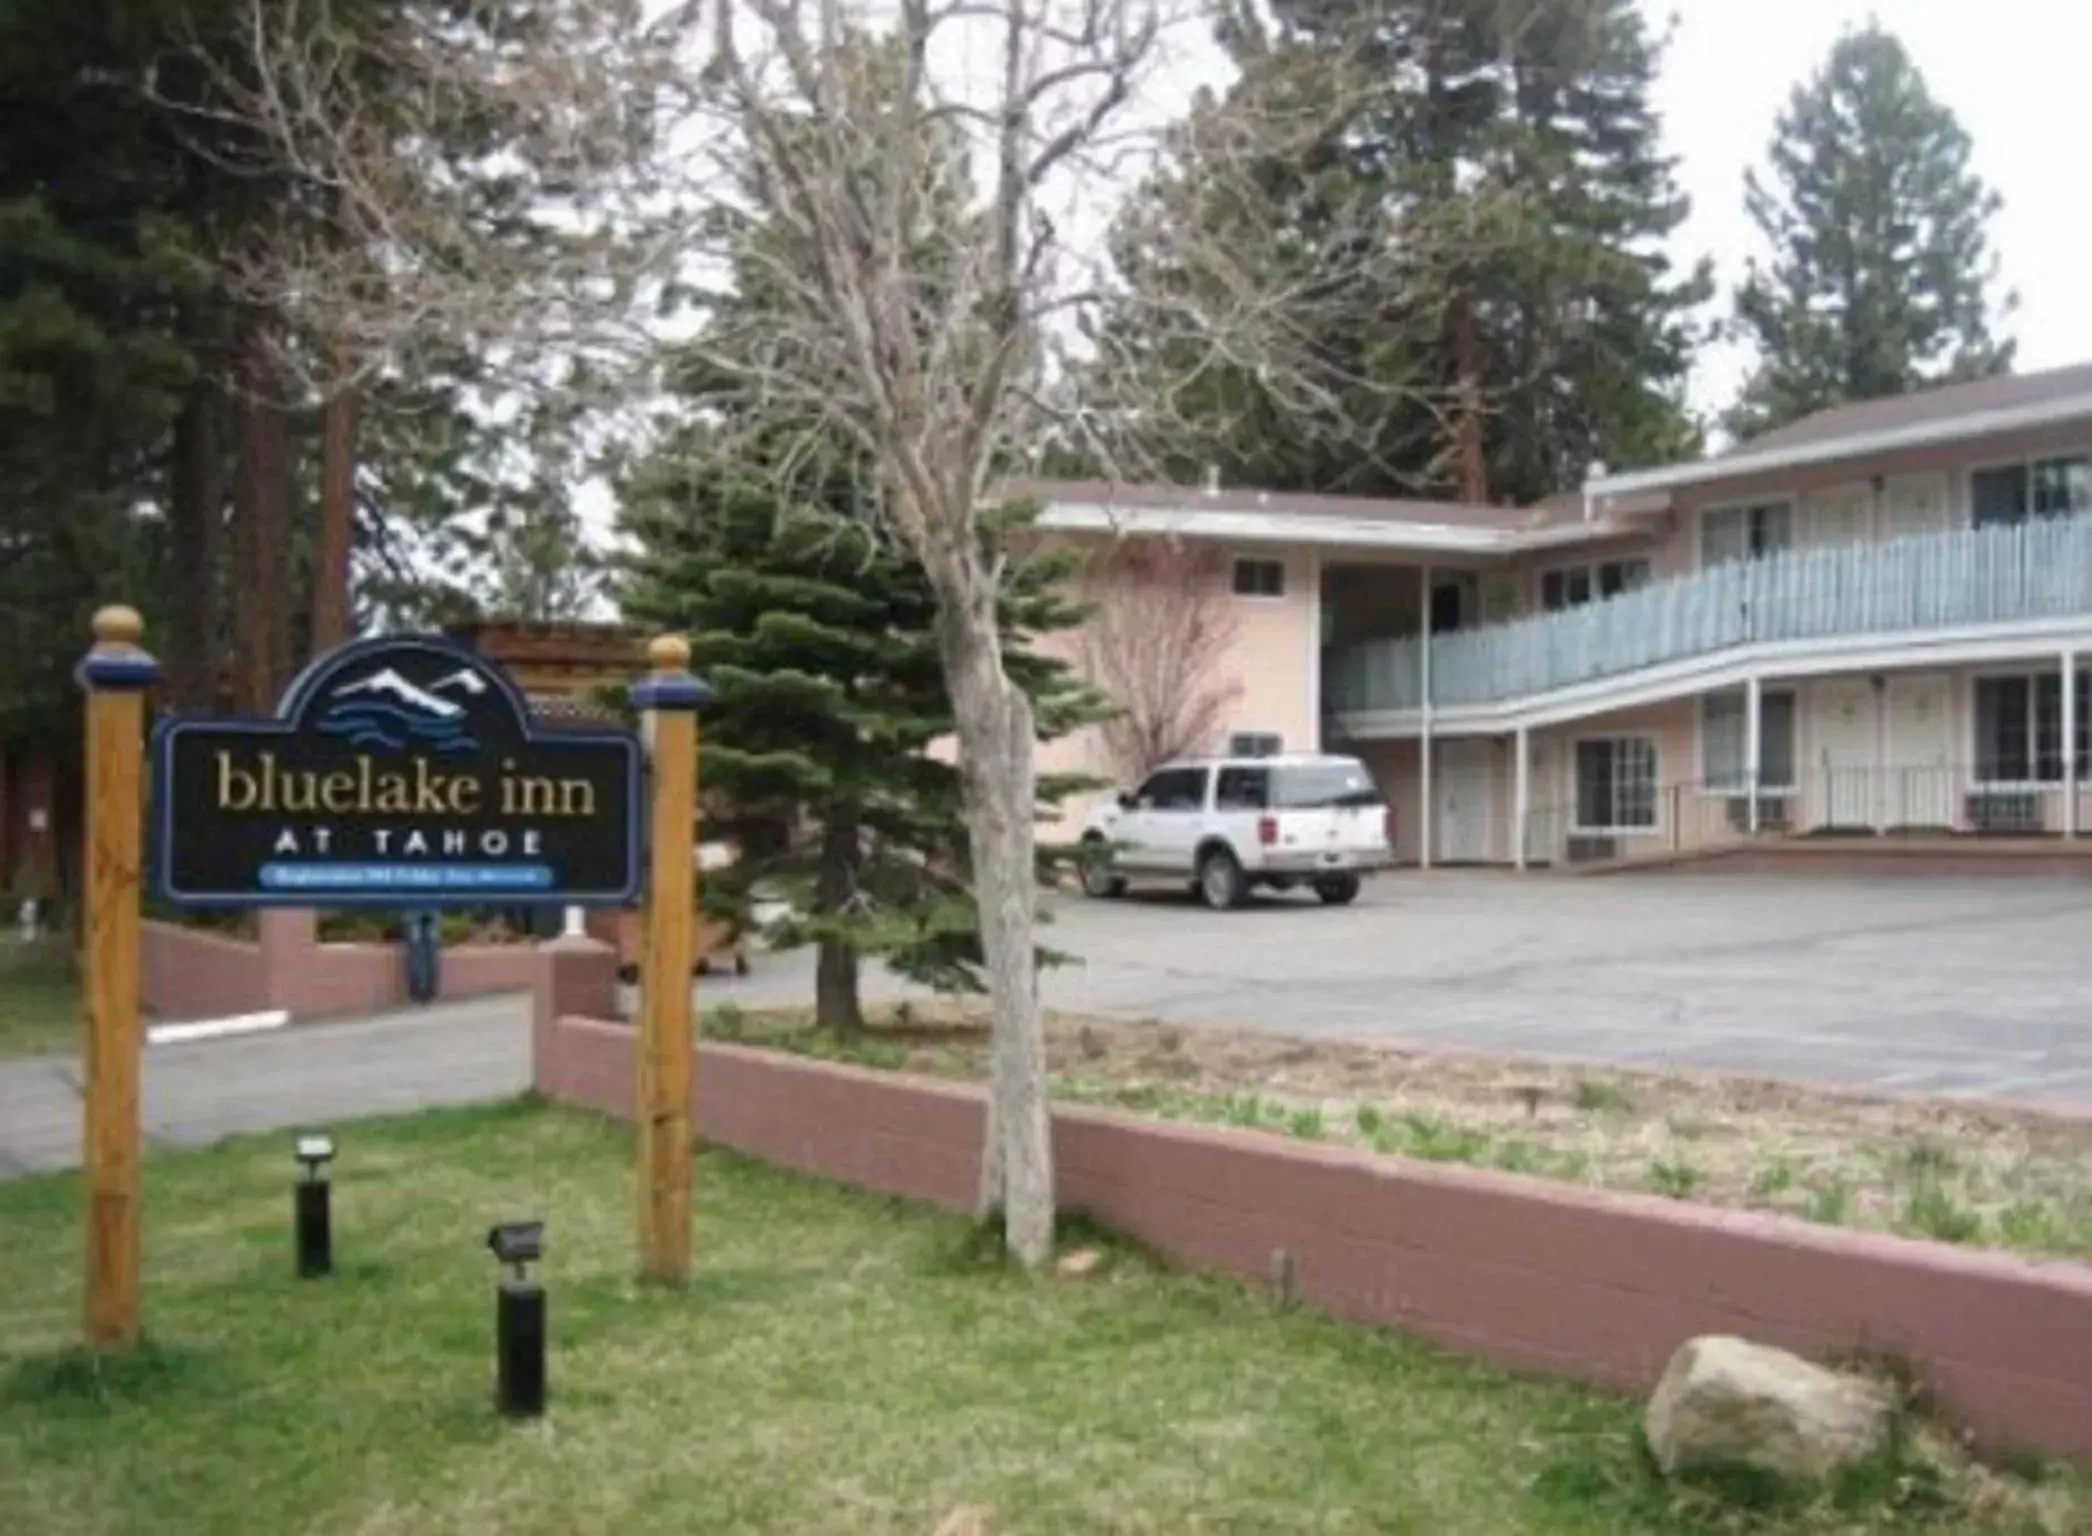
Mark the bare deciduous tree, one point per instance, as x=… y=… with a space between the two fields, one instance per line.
x=1157 y=641
x=893 y=214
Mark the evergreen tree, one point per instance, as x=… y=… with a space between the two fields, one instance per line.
x=1526 y=319
x=822 y=646
x=1881 y=274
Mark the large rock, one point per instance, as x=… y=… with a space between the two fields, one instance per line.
x=1729 y=1402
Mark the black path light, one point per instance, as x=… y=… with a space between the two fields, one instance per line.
x=314 y=1208
x=519 y=1320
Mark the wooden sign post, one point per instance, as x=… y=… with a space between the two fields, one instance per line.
x=115 y=674
x=668 y=701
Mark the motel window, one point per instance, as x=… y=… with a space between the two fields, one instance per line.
x=1723 y=763
x=1260 y=578
x=2012 y=493
x=1255 y=744
x=2019 y=729
x=1572 y=586
x=1616 y=784
x=1745 y=533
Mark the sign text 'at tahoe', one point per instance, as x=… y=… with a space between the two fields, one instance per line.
x=400 y=768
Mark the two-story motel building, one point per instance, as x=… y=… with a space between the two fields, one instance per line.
x=1876 y=620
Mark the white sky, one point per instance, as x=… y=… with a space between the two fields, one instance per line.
x=2013 y=71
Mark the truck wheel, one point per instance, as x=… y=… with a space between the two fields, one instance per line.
x=1221 y=885
x=1098 y=880
x=1338 y=890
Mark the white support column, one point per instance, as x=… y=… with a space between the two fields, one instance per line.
x=1753 y=743
x=576 y=924
x=1316 y=707
x=2070 y=708
x=1521 y=794
x=1427 y=820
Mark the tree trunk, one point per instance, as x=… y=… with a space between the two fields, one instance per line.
x=261 y=532
x=994 y=727
x=1464 y=348
x=196 y=517
x=837 y=1004
x=330 y=566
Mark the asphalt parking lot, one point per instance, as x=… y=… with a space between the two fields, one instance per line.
x=1978 y=986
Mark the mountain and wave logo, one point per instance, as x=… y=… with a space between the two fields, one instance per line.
x=383 y=709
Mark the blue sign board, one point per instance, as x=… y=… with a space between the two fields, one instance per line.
x=401 y=771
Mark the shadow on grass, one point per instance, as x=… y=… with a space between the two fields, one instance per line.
x=83 y=1380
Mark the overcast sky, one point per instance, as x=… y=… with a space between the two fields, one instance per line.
x=2014 y=71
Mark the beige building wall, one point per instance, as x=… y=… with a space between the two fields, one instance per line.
x=1272 y=665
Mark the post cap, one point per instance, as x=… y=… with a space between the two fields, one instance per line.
x=118 y=625
x=669 y=686
x=117 y=664
x=668 y=653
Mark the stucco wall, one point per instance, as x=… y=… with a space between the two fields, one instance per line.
x=1542 y=1277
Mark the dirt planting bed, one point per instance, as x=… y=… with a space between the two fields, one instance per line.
x=1952 y=1171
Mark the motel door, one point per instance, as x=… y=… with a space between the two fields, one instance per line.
x=1466 y=800
x=1919 y=784
x=1841 y=781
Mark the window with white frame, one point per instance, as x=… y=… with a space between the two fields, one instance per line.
x=2012 y=493
x=1745 y=533
x=1570 y=586
x=1255 y=744
x=1260 y=578
x=1616 y=784
x=1724 y=758
x=2019 y=729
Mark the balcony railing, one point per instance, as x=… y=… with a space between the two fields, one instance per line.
x=2035 y=570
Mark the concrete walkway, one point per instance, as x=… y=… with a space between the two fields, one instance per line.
x=306 y=1075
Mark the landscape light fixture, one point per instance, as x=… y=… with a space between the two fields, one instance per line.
x=519 y=1319
x=313 y=1204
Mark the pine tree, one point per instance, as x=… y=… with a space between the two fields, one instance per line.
x=1881 y=273
x=1527 y=319
x=822 y=646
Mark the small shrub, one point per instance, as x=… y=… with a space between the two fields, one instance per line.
x=2030 y=1224
x=1440 y=1141
x=1369 y=1120
x=1926 y=1159
x=1831 y=1204
x=1518 y=1157
x=1595 y=1097
x=1244 y=1109
x=1091 y=1043
x=1932 y=1212
x=1676 y=1179
x=1688 y=1130
x=1142 y=1098
x=1774 y=1179
x=726 y=1022
x=1305 y=1123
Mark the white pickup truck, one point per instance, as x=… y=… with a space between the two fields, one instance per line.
x=1228 y=825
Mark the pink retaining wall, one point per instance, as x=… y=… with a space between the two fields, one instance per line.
x=1543 y=1277
x=191 y=974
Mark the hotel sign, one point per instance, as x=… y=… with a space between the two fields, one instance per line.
x=397 y=772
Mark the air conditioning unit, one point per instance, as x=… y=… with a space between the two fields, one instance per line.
x=1772 y=813
x=2006 y=810
x=1584 y=848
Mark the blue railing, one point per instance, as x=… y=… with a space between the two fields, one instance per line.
x=1998 y=575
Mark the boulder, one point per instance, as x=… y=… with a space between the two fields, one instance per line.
x=1728 y=1402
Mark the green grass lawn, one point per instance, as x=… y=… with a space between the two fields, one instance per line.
x=39 y=1000
x=841 y=1364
